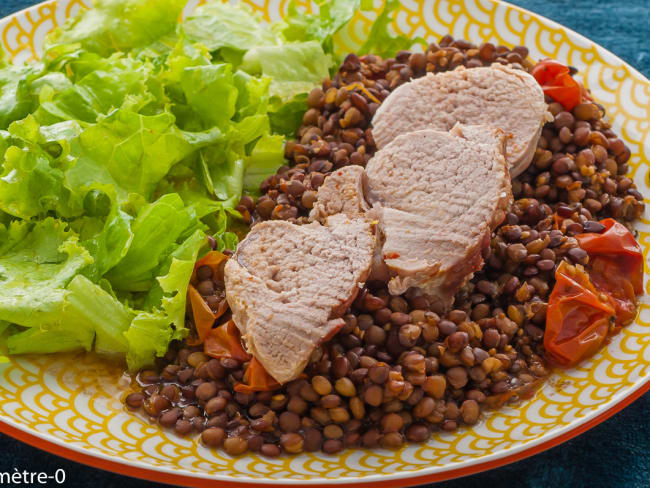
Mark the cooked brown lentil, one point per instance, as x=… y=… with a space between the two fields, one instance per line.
x=397 y=371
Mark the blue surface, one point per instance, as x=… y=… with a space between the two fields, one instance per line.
x=613 y=454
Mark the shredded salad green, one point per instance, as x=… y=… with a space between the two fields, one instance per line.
x=129 y=142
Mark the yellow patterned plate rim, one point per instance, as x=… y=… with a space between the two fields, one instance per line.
x=607 y=76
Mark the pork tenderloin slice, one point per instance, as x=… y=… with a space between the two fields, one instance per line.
x=419 y=255
x=499 y=96
x=341 y=193
x=288 y=285
x=438 y=196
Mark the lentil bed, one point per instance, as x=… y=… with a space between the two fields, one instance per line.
x=396 y=372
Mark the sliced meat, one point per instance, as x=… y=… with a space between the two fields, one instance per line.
x=341 y=192
x=287 y=285
x=437 y=196
x=498 y=96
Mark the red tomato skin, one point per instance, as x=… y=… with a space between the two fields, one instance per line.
x=557 y=82
x=587 y=306
x=577 y=320
x=616 y=242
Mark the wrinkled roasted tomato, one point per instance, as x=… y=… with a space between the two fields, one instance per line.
x=588 y=305
x=557 y=83
x=256 y=379
x=203 y=315
x=577 y=320
x=616 y=243
x=223 y=341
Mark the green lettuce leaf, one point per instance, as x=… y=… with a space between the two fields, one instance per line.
x=88 y=305
x=286 y=118
x=250 y=129
x=219 y=25
x=252 y=94
x=132 y=152
x=265 y=158
x=381 y=41
x=294 y=68
x=198 y=198
x=51 y=339
x=178 y=269
x=16 y=100
x=149 y=333
x=4 y=327
x=214 y=213
x=222 y=170
x=88 y=316
x=148 y=337
x=110 y=243
x=183 y=55
x=291 y=54
x=119 y=25
x=91 y=317
x=100 y=86
x=155 y=231
x=35 y=268
x=210 y=92
x=332 y=16
x=13 y=233
x=32 y=182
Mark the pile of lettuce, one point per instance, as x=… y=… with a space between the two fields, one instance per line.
x=129 y=142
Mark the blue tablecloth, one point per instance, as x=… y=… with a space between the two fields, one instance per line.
x=613 y=454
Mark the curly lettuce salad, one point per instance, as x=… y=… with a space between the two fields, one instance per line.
x=131 y=141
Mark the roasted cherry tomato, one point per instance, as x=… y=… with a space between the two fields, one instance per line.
x=588 y=305
x=577 y=320
x=616 y=242
x=256 y=379
x=615 y=267
x=204 y=316
x=557 y=83
x=213 y=259
x=225 y=342
x=606 y=275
